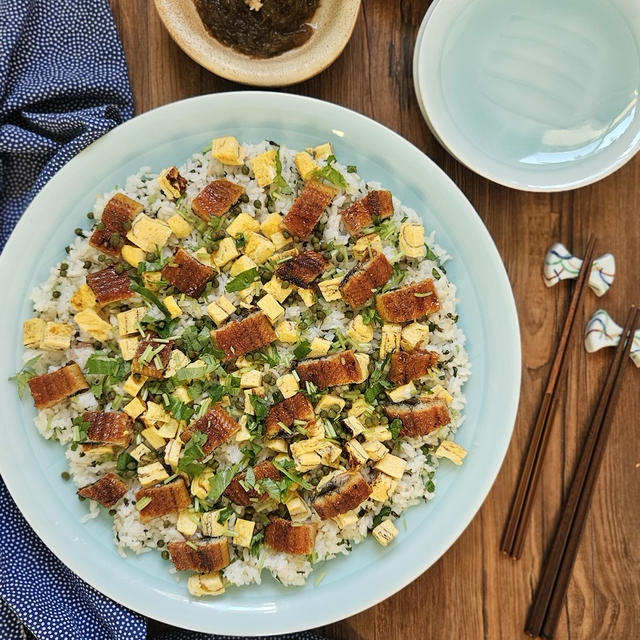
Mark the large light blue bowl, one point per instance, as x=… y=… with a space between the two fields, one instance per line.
x=31 y=466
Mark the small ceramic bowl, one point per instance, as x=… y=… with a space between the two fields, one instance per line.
x=539 y=96
x=334 y=21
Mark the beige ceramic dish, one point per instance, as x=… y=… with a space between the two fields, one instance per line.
x=334 y=21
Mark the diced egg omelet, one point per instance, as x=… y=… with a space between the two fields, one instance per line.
x=89 y=321
x=322 y=151
x=148 y=233
x=264 y=167
x=128 y=347
x=83 y=298
x=133 y=255
x=330 y=289
x=272 y=224
x=242 y=224
x=305 y=165
x=258 y=248
x=452 y=451
x=56 y=336
x=286 y=332
x=391 y=338
x=288 y=385
x=359 y=331
x=226 y=252
x=385 y=532
x=206 y=584
x=411 y=240
x=272 y=308
x=414 y=334
x=179 y=226
x=33 y=332
x=227 y=150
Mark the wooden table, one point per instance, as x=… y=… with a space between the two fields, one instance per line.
x=473 y=591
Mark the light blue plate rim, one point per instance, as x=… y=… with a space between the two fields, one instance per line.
x=426 y=57
x=370 y=574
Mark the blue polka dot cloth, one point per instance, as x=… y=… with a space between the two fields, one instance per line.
x=63 y=81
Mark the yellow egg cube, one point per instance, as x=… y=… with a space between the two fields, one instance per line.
x=411 y=240
x=258 y=248
x=452 y=451
x=227 y=150
x=330 y=289
x=360 y=332
x=187 y=523
x=278 y=289
x=319 y=347
x=390 y=339
x=135 y=408
x=83 y=298
x=264 y=167
x=307 y=296
x=305 y=165
x=244 y=532
x=242 y=224
x=133 y=255
x=322 y=151
x=271 y=224
x=151 y=474
x=391 y=465
x=56 y=336
x=179 y=226
x=128 y=347
x=226 y=252
x=385 y=532
x=414 y=335
x=288 y=385
x=129 y=321
x=286 y=332
x=134 y=383
x=271 y=307
x=88 y=320
x=33 y=332
x=172 y=307
x=148 y=233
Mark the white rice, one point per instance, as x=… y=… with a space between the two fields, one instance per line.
x=418 y=480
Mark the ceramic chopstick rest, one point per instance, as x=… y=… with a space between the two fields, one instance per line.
x=602 y=331
x=560 y=264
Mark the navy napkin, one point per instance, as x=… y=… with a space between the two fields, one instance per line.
x=63 y=84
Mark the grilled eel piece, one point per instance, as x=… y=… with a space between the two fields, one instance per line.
x=308 y=207
x=165 y=498
x=107 y=490
x=109 y=286
x=211 y=555
x=283 y=535
x=216 y=199
x=153 y=368
x=240 y=337
x=187 y=274
x=216 y=424
x=377 y=205
x=359 y=284
x=408 y=303
x=109 y=427
x=411 y=366
x=344 y=367
x=341 y=493
x=419 y=419
x=296 y=407
x=50 y=388
x=244 y=497
x=302 y=269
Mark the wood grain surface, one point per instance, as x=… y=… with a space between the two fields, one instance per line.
x=473 y=591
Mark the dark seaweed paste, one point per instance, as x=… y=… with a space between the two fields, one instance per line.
x=278 y=26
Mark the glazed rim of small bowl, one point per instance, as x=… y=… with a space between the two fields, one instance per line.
x=334 y=22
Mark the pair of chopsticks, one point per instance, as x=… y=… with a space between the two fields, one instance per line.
x=545 y=610
x=518 y=520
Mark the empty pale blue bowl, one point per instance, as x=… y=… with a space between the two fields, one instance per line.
x=537 y=95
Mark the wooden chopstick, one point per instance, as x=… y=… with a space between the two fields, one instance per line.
x=546 y=607
x=517 y=522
